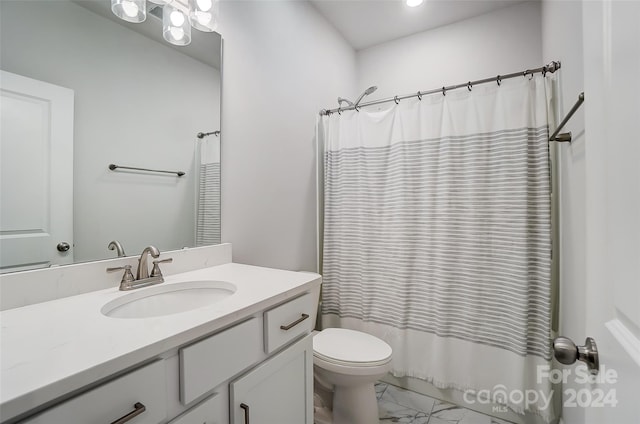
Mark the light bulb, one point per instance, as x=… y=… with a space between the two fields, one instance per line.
x=130 y=9
x=177 y=18
x=204 y=5
x=177 y=33
x=203 y=18
x=414 y=3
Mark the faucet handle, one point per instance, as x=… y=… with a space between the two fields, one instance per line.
x=127 y=277
x=155 y=272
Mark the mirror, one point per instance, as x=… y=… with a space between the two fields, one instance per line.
x=137 y=101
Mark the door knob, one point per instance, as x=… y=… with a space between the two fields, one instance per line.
x=63 y=246
x=566 y=352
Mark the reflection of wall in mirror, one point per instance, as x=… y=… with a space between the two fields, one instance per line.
x=138 y=103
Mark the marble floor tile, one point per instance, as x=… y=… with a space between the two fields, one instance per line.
x=408 y=399
x=390 y=412
x=495 y=420
x=397 y=405
x=446 y=413
x=380 y=388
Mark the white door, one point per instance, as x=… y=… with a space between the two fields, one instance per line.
x=612 y=286
x=36 y=173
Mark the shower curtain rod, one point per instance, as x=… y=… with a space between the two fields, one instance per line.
x=551 y=68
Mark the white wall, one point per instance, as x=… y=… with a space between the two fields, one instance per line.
x=65 y=44
x=500 y=42
x=562 y=40
x=282 y=64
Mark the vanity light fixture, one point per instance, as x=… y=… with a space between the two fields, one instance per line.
x=178 y=16
x=414 y=3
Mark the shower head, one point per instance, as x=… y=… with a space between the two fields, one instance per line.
x=347 y=101
x=366 y=93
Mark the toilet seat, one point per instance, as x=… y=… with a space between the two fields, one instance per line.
x=349 y=348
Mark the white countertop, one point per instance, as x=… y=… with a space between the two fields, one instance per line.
x=53 y=348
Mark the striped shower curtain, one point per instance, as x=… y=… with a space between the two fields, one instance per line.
x=208 y=192
x=437 y=237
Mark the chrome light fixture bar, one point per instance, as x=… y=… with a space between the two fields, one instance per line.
x=178 y=16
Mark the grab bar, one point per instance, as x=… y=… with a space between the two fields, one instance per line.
x=566 y=136
x=114 y=167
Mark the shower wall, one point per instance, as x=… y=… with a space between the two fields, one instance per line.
x=506 y=40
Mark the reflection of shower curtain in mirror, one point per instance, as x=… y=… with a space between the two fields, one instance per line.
x=437 y=236
x=208 y=196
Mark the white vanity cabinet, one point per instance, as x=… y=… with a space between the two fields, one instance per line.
x=258 y=369
x=278 y=391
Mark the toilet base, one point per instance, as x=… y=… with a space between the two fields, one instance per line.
x=344 y=399
x=337 y=407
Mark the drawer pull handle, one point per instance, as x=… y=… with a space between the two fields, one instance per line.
x=139 y=409
x=246 y=412
x=294 y=323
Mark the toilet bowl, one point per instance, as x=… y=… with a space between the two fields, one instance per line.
x=346 y=364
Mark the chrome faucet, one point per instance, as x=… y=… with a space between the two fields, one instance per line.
x=117 y=246
x=142 y=278
x=143 y=267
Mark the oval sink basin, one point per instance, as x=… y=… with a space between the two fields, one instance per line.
x=168 y=299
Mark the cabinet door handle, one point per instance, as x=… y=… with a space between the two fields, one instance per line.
x=138 y=409
x=246 y=412
x=294 y=323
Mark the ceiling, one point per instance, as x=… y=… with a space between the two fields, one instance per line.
x=365 y=23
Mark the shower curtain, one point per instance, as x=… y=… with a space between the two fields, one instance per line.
x=208 y=192
x=437 y=237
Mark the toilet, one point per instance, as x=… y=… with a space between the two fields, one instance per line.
x=346 y=364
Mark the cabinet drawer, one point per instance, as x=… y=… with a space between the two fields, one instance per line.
x=211 y=361
x=115 y=399
x=209 y=411
x=286 y=322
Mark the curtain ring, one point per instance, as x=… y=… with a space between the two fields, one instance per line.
x=419 y=96
x=444 y=91
x=469 y=86
x=498 y=80
x=356 y=108
x=544 y=71
x=339 y=111
x=395 y=99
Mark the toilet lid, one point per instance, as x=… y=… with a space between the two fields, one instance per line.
x=349 y=346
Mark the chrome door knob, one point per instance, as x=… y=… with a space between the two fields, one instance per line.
x=63 y=246
x=566 y=352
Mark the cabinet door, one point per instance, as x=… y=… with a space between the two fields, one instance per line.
x=278 y=391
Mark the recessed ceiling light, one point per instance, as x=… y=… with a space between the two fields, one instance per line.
x=414 y=3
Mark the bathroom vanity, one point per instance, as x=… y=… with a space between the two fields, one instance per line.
x=244 y=357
